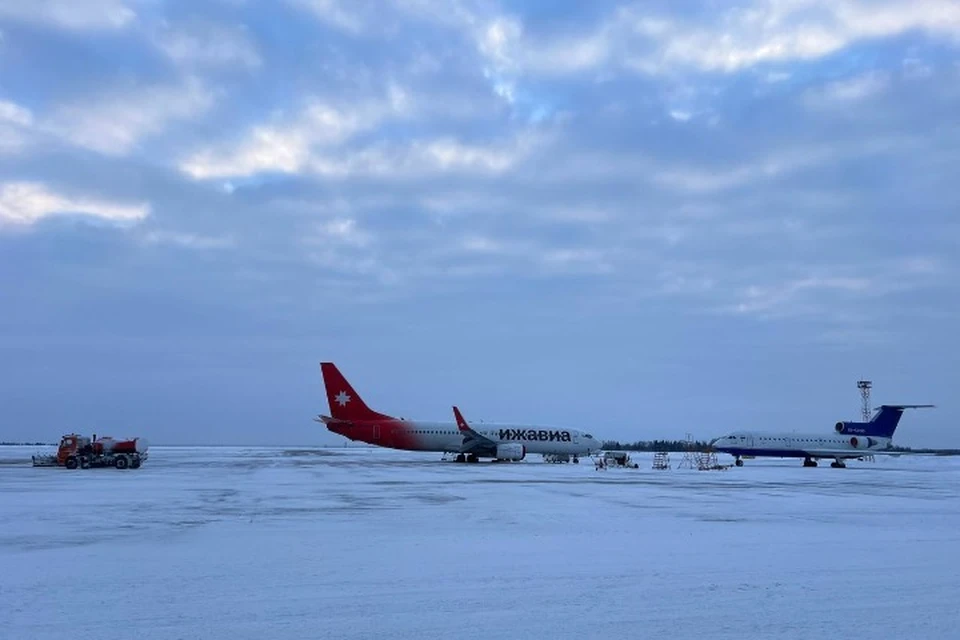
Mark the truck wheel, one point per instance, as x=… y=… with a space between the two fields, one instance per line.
x=71 y=463
x=121 y=462
x=135 y=464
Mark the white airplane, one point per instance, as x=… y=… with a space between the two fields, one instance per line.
x=351 y=417
x=852 y=440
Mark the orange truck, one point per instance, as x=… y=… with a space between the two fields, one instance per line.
x=76 y=451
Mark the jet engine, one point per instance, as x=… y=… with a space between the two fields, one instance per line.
x=861 y=442
x=511 y=451
x=850 y=428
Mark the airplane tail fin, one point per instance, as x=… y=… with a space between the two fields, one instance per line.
x=345 y=403
x=461 y=423
x=882 y=425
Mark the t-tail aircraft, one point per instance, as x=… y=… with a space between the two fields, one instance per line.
x=851 y=440
x=352 y=418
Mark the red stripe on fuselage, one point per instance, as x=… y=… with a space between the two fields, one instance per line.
x=390 y=433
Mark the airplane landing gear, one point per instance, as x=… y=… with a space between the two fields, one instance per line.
x=837 y=464
x=576 y=460
x=467 y=457
x=738 y=462
x=808 y=462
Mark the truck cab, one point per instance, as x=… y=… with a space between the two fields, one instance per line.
x=72 y=445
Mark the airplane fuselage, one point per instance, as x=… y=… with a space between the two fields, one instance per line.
x=444 y=437
x=798 y=445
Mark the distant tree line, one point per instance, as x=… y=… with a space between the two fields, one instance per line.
x=939 y=452
x=656 y=445
x=24 y=444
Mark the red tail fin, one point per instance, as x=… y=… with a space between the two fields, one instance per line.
x=345 y=403
x=461 y=423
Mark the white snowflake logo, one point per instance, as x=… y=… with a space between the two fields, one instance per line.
x=342 y=398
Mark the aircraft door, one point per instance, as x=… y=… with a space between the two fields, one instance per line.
x=788 y=442
x=376 y=433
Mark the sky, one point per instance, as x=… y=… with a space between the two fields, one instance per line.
x=642 y=219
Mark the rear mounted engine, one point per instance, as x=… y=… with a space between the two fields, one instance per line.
x=511 y=451
x=861 y=442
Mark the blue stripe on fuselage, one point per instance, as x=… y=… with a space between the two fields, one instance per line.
x=771 y=453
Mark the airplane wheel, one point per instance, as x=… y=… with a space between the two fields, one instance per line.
x=461 y=458
x=576 y=460
x=739 y=462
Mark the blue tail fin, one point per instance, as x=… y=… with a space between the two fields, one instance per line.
x=882 y=425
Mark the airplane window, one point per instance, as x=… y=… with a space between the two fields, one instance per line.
x=587 y=435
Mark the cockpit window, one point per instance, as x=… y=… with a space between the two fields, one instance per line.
x=587 y=435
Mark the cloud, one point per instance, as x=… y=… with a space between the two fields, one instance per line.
x=340 y=231
x=736 y=178
x=115 y=122
x=25 y=203
x=843 y=92
x=777 y=31
x=528 y=257
x=15 y=114
x=315 y=142
x=188 y=240
x=288 y=147
x=73 y=15
x=840 y=293
x=209 y=45
x=784 y=298
x=15 y=122
x=422 y=158
x=736 y=38
x=347 y=16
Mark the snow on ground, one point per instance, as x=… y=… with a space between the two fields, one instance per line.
x=262 y=543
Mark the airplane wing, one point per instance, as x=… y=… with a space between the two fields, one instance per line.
x=473 y=442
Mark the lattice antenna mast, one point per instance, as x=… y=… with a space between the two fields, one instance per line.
x=688 y=461
x=865 y=386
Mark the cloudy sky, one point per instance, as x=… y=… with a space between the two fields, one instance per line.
x=645 y=219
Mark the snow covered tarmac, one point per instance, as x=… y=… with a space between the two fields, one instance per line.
x=355 y=543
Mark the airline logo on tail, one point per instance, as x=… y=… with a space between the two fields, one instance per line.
x=345 y=403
